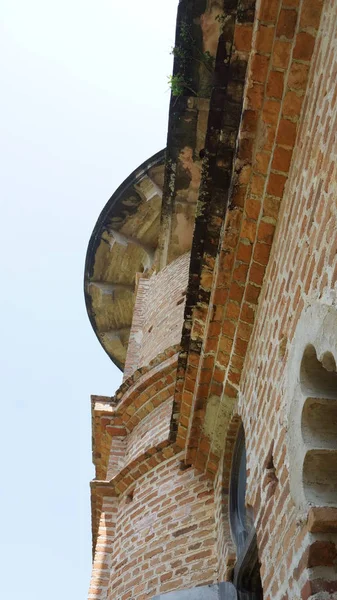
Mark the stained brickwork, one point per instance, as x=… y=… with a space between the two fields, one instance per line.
x=233 y=277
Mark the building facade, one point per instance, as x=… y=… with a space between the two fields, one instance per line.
x=211 y=281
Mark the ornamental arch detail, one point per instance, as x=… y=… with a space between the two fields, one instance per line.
x=312 y=409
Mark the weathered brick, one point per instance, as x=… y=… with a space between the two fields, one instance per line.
x=275 y=84
x=286 y=134
x=286 y=23
x=264 y=39
x=304 y=46
x=281 y=159
x=281 y=54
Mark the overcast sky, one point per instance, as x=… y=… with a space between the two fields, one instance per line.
x=84 y=100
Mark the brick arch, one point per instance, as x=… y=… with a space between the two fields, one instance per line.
x=225 y=545
x=279 y=43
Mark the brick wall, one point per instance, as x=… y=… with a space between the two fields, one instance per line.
x=302 y=270
x=150 y=432
x=117 y=454
x=102 y=559
x=165 y=534
x=158 y=314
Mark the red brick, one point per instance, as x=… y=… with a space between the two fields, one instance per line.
x=264 y=39
x=276 y=185
x=286 y=134
x=252 y=294
x=256 y=273
x=266 y=232
x=286 y=23
x=268 y=11
x=243 y=38
x=304 y=46
x=322 y=553
x=259 y=68
x=275 y=84
x=281 y=159
x=253 y=208
x=257 y=185
x=244 y=252
x=311 y=13
x=292 y=104
x=249 y=121
x=261 y=253
x=271 y=110
x=298 y=76
x=255 y=96
x=262 y=161
x=281 y=54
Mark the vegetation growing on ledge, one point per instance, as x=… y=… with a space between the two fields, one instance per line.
x=187 y=52
x=178 y=85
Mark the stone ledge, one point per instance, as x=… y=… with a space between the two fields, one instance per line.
x=220 y=591
x=322 y=519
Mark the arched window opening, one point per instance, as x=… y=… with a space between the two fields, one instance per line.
x=247 y=569
x=319 y=427
x=318 y=378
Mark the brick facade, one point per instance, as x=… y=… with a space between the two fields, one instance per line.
x=255 y=345
x=302 y=271
x=165 y=535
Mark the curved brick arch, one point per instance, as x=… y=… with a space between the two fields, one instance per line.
x=280 y=47
x=225 y=545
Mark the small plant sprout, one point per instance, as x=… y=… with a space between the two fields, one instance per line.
x=178 y=85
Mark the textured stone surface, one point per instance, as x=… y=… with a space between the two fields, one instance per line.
x=222 y=591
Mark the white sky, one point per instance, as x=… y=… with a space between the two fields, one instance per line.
x=84 y=100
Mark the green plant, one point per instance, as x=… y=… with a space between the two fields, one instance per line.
x=178 y=84
x=179 y=52
x=186 y=52
x=208 y=60
x=185 y=31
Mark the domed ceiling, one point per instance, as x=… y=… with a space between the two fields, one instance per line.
x=123 y=243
